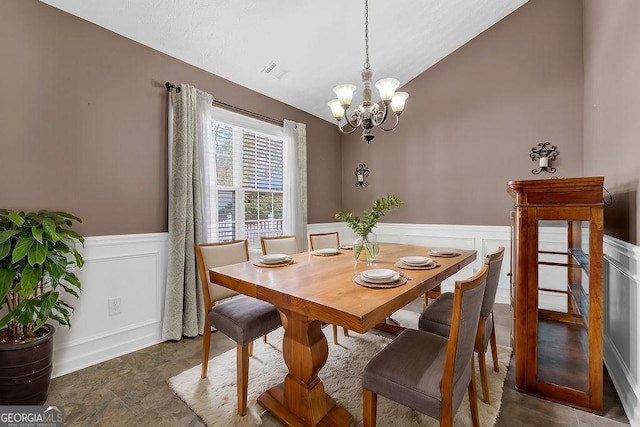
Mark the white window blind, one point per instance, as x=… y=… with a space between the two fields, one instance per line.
x=249 y=176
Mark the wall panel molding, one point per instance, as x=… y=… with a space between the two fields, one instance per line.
x=130 y=268
x=622 y=322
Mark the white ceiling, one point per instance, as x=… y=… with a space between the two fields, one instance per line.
x=317 y=44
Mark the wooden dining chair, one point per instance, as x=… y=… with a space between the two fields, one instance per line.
x=425 y=371
x=432 y=294
x=436 y=318
x=324 y=240
x=279 y=245
x=241 y=318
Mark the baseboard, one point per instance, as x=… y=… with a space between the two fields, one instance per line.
x=102 y=347
x=622 y=381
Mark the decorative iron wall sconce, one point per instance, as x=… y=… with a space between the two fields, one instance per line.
x=543 y=155
x=362 y=172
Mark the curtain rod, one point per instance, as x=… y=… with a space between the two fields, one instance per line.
x=262 y=117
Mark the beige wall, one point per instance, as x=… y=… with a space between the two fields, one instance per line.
x=83 y=116
x=612 y=108
x=84 y=120
x=472 y=119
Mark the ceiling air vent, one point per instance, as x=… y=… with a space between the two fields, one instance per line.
x=275 y=70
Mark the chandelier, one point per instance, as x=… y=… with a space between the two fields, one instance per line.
x=368 y=114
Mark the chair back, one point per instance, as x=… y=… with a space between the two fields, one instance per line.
x=494 y=261
x=324 y=240
x=467 y=302
x=279 y=245
x=210 y=255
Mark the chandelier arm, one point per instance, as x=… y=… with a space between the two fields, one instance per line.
x=394 y=126
x=384 y=112
x=353 y=123
x=346 y=132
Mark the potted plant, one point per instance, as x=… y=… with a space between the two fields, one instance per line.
x=365 y=247
x=38 y=257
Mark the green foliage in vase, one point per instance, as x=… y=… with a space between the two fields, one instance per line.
x=363 y=225
x=38 y=257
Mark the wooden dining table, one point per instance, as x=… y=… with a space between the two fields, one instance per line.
x=315 y=290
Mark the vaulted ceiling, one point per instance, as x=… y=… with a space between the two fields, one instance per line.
x=297 y=51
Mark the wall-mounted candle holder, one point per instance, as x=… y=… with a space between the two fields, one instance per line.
x=544 y=153
x=361 y=172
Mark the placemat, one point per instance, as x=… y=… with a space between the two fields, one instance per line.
x=359 y=281
x=321 y=254
x=453 y=255
x=280 y=264
x=404 y=266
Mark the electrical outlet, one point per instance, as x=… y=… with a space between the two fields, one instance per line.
x=115 y=306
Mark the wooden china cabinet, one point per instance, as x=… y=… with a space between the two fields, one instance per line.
x=557 y=289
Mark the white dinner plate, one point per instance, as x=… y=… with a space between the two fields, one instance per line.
x=327 y=251
x=417 y=261
x=442 y=251
x=273 y=258
x=379 y=275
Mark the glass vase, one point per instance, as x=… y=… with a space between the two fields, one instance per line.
x=365 y=248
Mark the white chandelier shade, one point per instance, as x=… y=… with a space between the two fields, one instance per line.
x=368 y=114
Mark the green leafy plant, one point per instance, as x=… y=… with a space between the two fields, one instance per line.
x=38 y=256
x=363 y=224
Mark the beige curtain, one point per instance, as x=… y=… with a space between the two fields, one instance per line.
x=295 y=184
x=189 y=128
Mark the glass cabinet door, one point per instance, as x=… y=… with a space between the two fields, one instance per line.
x=559 y=320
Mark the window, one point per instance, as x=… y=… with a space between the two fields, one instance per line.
x=249 y=159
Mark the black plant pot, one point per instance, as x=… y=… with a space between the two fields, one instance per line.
x=25 y=371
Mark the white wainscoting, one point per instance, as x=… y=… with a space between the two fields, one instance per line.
x=622 y=322
x=131 y=268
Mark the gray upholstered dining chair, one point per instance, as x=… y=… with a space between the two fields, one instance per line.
x=241 y=318
x=279 y=245
x=425 y=371
x=436 y=318
x=324 y=241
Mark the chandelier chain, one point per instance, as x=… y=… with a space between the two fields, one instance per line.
x=366 y=34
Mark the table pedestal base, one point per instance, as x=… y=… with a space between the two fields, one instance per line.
x=301 y=400
x=272 y=400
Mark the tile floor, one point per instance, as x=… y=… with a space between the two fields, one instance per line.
x=131 y=390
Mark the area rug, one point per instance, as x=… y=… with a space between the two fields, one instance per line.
x=214 y=399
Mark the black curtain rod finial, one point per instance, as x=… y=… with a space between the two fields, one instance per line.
x=170 y=87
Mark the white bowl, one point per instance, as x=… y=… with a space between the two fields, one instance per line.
x=442 y=251
x=417 y=261
x=380 y=275
x=273 y=258
x=327 y=251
